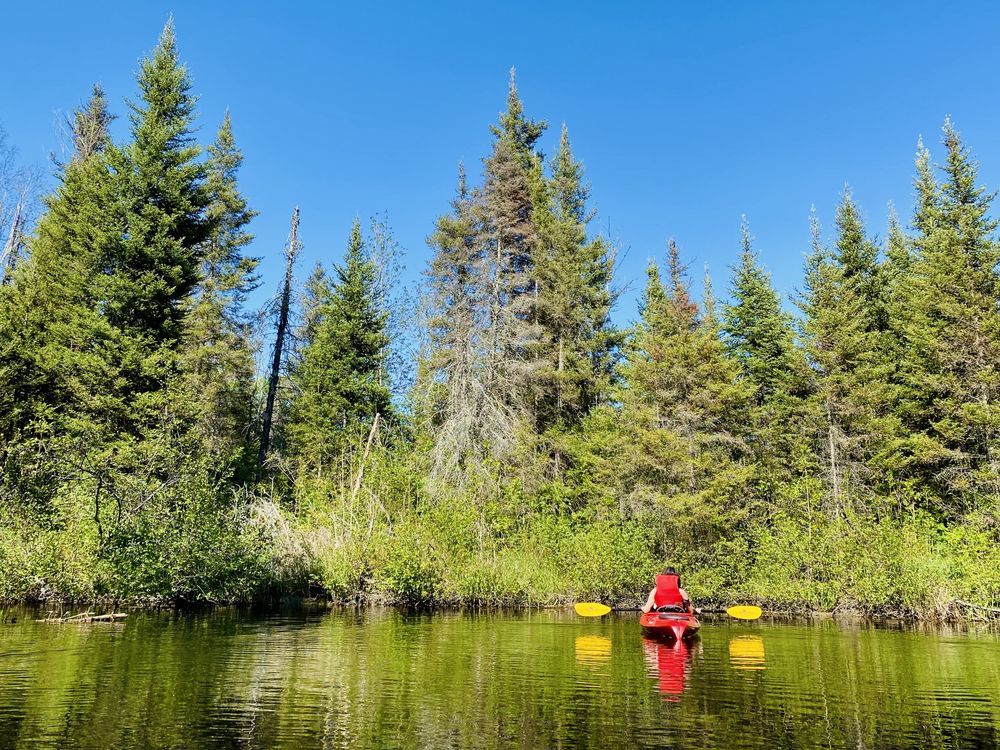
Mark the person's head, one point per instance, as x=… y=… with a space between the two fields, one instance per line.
x=669 y=571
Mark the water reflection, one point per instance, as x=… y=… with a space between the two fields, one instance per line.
x=593 y=649
x=747 y=652
x=379 y=678
x=669 y=662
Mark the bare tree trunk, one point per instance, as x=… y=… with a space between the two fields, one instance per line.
x=286 y=297
x=12 y=248
x=834 y=469
x=364 y=459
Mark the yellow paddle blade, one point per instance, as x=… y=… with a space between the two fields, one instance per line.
x=591 y=609
x=744 y=612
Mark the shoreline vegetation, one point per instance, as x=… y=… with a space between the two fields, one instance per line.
x=492 y=440
x=107 y=611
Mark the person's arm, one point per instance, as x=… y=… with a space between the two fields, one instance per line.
x=687 y=600
x=649 y=601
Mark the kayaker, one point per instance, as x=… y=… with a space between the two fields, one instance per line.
x=667 y=593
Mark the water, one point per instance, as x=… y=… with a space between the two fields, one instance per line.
x=385 y=679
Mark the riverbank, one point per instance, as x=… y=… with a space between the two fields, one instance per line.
x=440 y=557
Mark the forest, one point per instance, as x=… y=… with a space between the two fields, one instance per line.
x=493 y=440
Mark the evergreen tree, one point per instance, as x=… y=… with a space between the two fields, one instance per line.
x=681 y=396
x=505 y=221
x=758 y=333
x=341 y=381
x=759 y=338
x=516 y=129
x=845 y=329
x=898 y=259
x=314 y=294
x=162 y=199
x=574 y=299
x=218 y=351
x=53 y=341
x=466 y=411
x=950 y=330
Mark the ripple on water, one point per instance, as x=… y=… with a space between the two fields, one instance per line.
x=381 y=678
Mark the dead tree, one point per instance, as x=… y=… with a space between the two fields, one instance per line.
x=11 y=254
x=291 y=252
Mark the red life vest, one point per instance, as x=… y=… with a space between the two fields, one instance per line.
x=668 y=591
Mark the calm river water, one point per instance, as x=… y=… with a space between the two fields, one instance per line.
x=385 y=679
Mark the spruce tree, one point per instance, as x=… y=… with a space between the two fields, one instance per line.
x=759 y=337
x=574 y=298
x=846 y=337
x=465 y=410
x=758 y=332
x=681 y=397
x=218 y=355
x=516 y=129
x=341 y=382
x=53 y=340
x=162 y=198
x=505 y=219
x=950 y=330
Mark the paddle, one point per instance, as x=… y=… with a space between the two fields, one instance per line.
x=591 y=609
x=596 y=609
x=744 y=612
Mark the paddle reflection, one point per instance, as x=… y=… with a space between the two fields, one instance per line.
x=669 y=662
x=593 y=649
x=747 y=652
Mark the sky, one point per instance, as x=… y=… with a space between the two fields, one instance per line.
x=686 y=115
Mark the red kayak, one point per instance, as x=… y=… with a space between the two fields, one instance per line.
x=669 y=624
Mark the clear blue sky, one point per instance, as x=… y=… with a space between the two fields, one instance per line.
x=687 y=115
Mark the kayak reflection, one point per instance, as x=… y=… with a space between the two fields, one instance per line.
x=747 y=652
x=593 y=649
x=669 y=662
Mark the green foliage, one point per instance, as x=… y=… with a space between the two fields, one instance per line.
x=342 y=380
x=574 y=299
x=845 y=460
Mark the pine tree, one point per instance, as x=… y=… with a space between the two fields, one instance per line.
x=218 y=356
x=574 y=299
x=341 y=381
x=950 y=330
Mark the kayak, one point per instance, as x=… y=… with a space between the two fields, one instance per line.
x=669 y=624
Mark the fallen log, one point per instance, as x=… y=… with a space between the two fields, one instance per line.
x=970 y=605
x=87 y=617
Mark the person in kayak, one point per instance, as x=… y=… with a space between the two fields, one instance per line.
x=668 y=594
